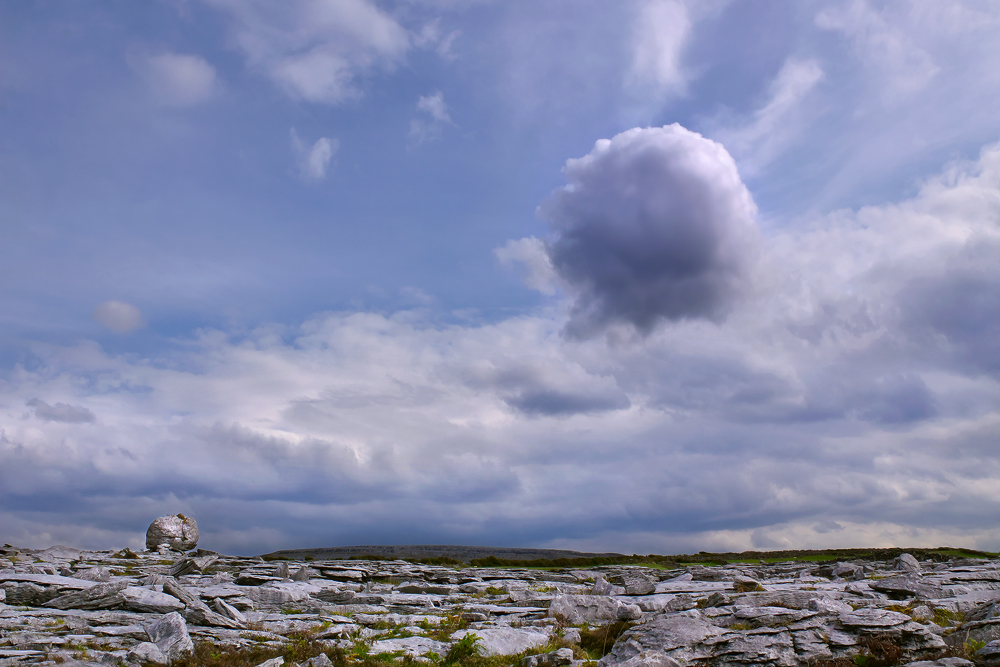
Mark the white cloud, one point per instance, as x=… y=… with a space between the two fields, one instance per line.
x=531 y=259
x=179 y=80
x=313 y=161
x=435 y=115
x=852 y=397
x=118 y=316
x=316 y=49
x=883 y=43
x=771 y=128
x=662 y=30
x=431 y=36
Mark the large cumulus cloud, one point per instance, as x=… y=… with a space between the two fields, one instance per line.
x=654 y=224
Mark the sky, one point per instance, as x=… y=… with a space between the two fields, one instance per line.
x=643 y=276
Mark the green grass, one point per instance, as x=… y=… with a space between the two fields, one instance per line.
x=463 y=653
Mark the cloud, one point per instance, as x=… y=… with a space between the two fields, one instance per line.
x=881 y=42
x=179 y=80
x=530 y=258
x=61 y=412
x=428 y=127
x=661 y=31
x=430 y=36
x=773 y=126
x=655 y=224
x=851 y=398
x=119 y=316
x=316 y=49
x=313 y=161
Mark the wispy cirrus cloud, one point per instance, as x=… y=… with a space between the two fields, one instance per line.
x=316 y=49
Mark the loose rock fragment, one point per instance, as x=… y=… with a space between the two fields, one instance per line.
x=170 y=634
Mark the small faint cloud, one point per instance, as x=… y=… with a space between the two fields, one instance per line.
x=316 y=50
x=431 y=37
x=882 y=46
x=427 y=127
x=119 y=316
x=416 y=295
x=61 y=412
x=177 y=79
x=660 y=34
x=314 y=160
x=530 y=259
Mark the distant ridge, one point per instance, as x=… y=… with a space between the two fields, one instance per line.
x=455 y=552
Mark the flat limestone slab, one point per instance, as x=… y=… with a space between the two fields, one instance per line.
x=48 y=580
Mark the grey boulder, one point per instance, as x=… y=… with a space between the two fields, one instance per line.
x=177 y=532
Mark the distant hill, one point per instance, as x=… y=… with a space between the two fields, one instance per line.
x=522 y=557
x=433 y=551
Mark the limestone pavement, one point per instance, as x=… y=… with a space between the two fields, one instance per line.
x=65 y=606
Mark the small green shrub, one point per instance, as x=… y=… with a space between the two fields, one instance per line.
x=463 y=650
x=597 y=642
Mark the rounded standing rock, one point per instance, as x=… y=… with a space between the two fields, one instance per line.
x=178 y=532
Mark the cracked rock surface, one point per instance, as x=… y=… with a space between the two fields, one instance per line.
x=72 y=607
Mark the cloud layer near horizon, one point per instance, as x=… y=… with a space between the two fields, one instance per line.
x=849 y=396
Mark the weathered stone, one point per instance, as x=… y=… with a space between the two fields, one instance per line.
x=177 y=532
x=229 y=611
x=144 y=600
x=634 y=583
x=679 y=636
x=907 y=562
x=147 y=652
x=27 y=594
x=601 y=587
x=557 y=658
x=321 y=660
x=97 y=574
x=871 y=617
x=905 y=586
x=848 y=571
x=191 y=566
x=170 y=634
x=334 y=596
x=746 y=585
x=828 y=606
x=650 y=659
x=576 y=609
x=413 y=646
x=505 y=641
x=100 y=596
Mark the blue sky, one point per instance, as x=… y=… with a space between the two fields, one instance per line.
x=642 y=276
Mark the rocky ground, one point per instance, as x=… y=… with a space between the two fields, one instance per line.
x=70 y=607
